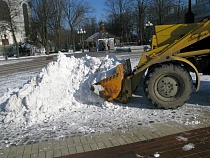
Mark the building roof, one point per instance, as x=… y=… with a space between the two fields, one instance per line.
x=93 y=36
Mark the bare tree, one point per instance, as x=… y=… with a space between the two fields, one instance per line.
x=56 y=22
x=43 y=12
x=141 y=16
x=120 y=14
x=159 y=10
x=75 y=13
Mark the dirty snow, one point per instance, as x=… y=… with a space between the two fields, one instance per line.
x=181 y=138
x=58 y=103
x=188 y=147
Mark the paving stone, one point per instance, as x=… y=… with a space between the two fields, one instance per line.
x=42 y=146
x=128 y=140
x=35 y=155
x=116 y=133
x=104 y=135
x=141 y=137
x=20 y=149
x=147 y=136
x=57 y=153
x=101 y=145
x=25 y=156
x=87 y=147
x=160 y=133
x=143 y=129
x=121 y=141
x=49 y=154
x=153 y=135
x=63 y=142
x=98 y=139
x=83 y=140
x=90 y=140
x=65 y=151
x=41 y=155
x=76 y=140
x=35 y=147
x=58 y=146
x=189 y=127
x=79 y=149
x=11 y=155
x=114 y=142
x=27 y=149
x=20 y=156
x=69 y=141
x=13 y=150
x=94 y=146
x=4 y=152
x=72 y=150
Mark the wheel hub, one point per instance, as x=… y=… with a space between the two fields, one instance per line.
x=167 y=86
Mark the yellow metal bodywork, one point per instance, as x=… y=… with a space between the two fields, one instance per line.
x=164 y=51
x=166 y=46
x=194 y=68
x=167 y=34
x=112 y=85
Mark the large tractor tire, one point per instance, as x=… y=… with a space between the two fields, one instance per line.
x=168 y=86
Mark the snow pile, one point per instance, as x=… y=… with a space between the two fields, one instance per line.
x=60 y=86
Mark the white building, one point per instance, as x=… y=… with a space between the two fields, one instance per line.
x=19 y=12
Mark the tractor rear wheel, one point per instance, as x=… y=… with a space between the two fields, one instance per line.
x=168 y=86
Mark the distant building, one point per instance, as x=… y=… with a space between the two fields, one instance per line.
x=20 y=13
x=99 y=40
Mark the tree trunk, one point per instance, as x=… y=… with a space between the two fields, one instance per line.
x=72 y=37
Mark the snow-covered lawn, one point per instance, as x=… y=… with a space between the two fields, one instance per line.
x=57 y=103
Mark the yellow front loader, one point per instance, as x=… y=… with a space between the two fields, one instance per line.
x=177 y=50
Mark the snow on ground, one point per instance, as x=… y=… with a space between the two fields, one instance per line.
x=188 y=147
x=58 y=103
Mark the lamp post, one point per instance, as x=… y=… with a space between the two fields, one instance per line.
x=81 y=32
x=189 y=16
x=150 y=25
x=4 y=39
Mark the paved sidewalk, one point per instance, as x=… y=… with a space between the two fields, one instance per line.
x=142 y=141
x=190 y=144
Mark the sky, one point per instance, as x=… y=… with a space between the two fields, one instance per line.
x=57 y=102
x=98 y=6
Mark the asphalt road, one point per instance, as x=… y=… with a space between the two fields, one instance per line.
x=31 y=63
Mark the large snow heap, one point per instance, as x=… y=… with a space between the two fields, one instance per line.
x=61 y=86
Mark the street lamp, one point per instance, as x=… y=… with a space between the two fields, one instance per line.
x=81 y=32
x=4 y=39
x=149 y=25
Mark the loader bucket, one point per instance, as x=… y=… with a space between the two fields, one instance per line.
x=110 y=87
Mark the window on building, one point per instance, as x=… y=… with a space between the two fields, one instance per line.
x=26 y=19
x=5 y=14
